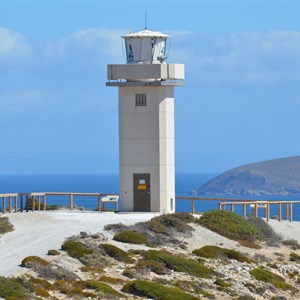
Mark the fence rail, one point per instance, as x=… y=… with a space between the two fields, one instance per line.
x=254 y=205
x=38 y=200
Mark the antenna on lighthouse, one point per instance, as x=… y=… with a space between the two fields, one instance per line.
x=145 y=19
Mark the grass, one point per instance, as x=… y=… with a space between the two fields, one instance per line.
x=155 y=291
x=116 y=253
x=131 y=237
x=5 y=225
x=215 y=252
x=76 y=249
x=11 y=288
x=179 y=264
x=264 y=275
x=230 y=225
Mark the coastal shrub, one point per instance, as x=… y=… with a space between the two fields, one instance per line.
x=179 y=264
x=112 y=280
x=216 y=252
x=53 y=252
x=262 y=274
x=294 y=257
x=221 y=283
x=103 y=288
x=11 y=288
x=115 y=227
x=151 y=265
x=34 y=262
x=155 y=291
x=292 y=243
x=230 y=225
x=76 y=249
x=116 y=253
x=91 y=269
x=266 y=232
x=5 y=225
x=70 y=287
x=54 y=272
x=177 y=221
x=130 y=237
x=129 y=272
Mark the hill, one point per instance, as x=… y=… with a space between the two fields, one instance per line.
x=277 y=177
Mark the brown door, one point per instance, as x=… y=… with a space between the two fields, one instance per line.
x=141 y=192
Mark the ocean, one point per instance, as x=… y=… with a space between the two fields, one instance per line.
x=109 y=183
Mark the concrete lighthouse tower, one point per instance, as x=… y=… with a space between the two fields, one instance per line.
x=146 y=122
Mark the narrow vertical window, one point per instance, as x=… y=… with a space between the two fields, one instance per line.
x=140 y=100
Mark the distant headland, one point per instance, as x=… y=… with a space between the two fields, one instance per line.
x=277 y=177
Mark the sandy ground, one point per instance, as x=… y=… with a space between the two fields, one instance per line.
x=36 y=233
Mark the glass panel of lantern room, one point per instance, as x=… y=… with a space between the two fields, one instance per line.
x=129 y=51
x=146 y=50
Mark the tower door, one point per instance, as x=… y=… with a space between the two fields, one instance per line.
x=141 y=192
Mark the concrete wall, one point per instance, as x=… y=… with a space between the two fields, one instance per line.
x=147 y=144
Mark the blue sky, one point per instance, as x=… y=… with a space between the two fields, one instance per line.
x=240 y=104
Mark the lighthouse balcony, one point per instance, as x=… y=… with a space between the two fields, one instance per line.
x=145 y=74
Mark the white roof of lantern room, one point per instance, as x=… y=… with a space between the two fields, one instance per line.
x=145 y=33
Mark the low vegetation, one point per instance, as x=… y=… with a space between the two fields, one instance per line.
x=295 y=257
x=116 y=253
x=53 y=252
x=155 y=291
x=34 y=262
x=5 y=225
x=266 y=232
x=216 y=252
x=161 y=230
x=76 y=249
x=292 y=243
x=131 y=237
x=179 y=264
x=230 y=225
x=11 y=288
x=262 y=274
x=104 y=289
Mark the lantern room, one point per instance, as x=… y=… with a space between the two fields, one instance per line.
x=145 y=47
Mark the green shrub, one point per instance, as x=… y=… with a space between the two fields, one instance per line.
x=93 y=270
x=230 y=225
x=222 y=283
x=216 y=252
x=294 y=257
x=103 y=288
x=152 y=265
x=70 y=287
x=131 y=237
x=34 y=262
x=53 y=252
x=267 y=276
x=12 y=288
x=157 y=227
x=292 y=243
x=5 y=225
x=116 y=253
x=112 y=280
x=76 y=249
x=177 y=221
x=266 y=232
x=155 y=291
x=179 y=264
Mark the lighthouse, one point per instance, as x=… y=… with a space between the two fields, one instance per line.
x=146 y=122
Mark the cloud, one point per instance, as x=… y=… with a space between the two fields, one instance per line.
x=13 y=46
x=253 y=58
